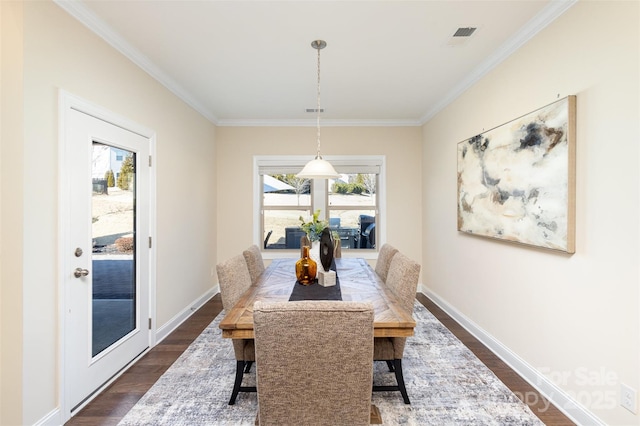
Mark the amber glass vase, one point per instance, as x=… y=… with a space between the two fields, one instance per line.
x=306 y=268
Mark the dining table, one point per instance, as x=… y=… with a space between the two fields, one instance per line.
x=355 y=281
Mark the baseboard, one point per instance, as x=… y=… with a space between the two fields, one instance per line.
x=173 y=323
x=559 y=398
x=54 y=418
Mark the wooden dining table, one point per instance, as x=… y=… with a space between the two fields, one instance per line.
x=357 y=282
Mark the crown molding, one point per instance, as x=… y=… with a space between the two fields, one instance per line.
x=313 y=123
x=536 y=24
x=104 y=31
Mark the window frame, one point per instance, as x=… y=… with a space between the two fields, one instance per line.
x=320 y=195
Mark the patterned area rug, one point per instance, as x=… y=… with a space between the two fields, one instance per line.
x=447 y=384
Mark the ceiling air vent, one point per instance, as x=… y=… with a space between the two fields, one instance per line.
x=464 y=32
x=461 y=36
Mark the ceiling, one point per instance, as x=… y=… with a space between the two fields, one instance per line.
x=251 y=62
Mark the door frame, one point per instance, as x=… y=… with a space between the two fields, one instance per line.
x=66 y=103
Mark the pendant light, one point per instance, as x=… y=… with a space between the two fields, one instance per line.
x=318 y=168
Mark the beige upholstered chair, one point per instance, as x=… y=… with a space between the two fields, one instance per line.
x=387 y=251
x=403 y=281
x=253 y=257
x=314 y=362
x=337 y=249
x=234 y=280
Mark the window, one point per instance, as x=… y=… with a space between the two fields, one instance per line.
x=352 y=204
x=352 y=209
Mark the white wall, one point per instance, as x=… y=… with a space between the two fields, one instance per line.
x=60 y=53
x=236 y=147
x=11 y=202
x=569 y=317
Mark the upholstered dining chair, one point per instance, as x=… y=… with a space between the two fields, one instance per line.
x=387 y=251
x=234 y=280
x=255 y=263
x=314 y=362
x=337 y=249
x=402 y=280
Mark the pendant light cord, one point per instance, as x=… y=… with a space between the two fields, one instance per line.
x=318 y=107
x=318 y=168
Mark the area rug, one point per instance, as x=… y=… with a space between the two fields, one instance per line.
x=447 y=384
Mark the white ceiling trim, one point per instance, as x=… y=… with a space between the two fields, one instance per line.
x=104 y=31
x=313 y=123
x=534 y=26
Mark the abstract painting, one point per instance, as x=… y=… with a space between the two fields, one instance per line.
x=516 y=182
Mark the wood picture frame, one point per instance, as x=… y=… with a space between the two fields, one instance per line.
x=516 y=182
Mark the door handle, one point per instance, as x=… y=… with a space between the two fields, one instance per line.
x=79 y=272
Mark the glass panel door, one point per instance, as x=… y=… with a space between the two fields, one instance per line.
x=105 y=218
x=113 y=217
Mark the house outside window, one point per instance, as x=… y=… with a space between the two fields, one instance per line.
x=353 y=204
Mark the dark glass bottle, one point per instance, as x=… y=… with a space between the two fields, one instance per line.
x=306 y=268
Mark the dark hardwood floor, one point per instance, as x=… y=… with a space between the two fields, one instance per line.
x=112 y=404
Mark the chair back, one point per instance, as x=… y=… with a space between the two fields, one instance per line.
x=234 y=279
x=337 y=249
x=387 y=251
x=402 y=279
x=365 y=221
x=266 y=239
x=314 y=362
x=255 y=263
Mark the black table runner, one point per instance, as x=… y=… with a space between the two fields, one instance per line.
x=315 y=291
